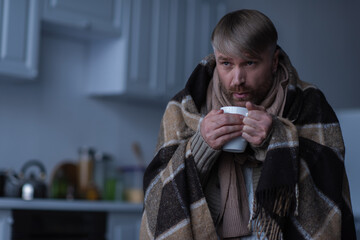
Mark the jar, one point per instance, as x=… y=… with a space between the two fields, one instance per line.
x=133 y=183
x=114 y=184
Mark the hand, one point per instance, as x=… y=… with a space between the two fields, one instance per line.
x=218 y=127
x=257 y=124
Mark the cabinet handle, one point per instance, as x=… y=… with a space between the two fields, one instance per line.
x=81 y=24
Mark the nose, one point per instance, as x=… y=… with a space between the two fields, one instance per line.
x=239 y=76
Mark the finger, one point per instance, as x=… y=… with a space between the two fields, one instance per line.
x=215 y=112
x=253 y=139
x=255 y=114
x=219 y=142
x=227 y=119
x=252 y=131
x=214 y=121
x=249 y=138
x=252 y=122
x=225 y=130
x=218 y=137
x=216 y=126
x=256 y=128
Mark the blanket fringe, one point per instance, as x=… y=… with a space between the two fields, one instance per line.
x=266 y=227
x=296 y=212
x=278 y=201
x=271 y=205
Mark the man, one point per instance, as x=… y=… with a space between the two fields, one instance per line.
x=290 y=183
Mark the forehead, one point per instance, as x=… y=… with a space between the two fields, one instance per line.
x=265 y=55
x=243 y=57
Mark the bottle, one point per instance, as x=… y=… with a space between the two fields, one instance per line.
x=59 y=185
x=85 y=172
x=101 y=168
x=110 y=185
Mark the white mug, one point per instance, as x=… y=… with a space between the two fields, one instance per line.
x=237 y=145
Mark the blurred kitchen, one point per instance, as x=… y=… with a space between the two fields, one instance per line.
x=84 y=83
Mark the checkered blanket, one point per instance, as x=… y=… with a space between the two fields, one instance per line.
x=303 y=190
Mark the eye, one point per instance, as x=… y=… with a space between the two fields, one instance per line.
x=249 y=63
x=226 y=63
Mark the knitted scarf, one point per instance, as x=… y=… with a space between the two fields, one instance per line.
x=235 y=214
x=305 y=150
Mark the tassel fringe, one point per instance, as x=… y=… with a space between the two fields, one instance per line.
x=267 y=228
x=271 y=205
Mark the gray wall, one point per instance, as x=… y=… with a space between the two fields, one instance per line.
x=322 y=40
x=52 y=116
x=349 y=120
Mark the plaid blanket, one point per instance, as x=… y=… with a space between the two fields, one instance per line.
x=303 y=190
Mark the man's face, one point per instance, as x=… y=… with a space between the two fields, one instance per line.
x=246 y=80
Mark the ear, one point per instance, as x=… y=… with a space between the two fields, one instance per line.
x=275 y=61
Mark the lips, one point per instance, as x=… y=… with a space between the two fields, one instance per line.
x=240 y=95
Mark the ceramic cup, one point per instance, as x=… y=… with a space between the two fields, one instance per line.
x=238 y=144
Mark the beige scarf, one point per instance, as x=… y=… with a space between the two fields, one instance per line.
x=234 y=208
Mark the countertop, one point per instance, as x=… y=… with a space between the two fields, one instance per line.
x=70 y=205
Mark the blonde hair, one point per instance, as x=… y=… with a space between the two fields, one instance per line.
x=244 y=33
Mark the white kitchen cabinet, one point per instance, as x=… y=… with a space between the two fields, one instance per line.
x=123 y=226
x=5 y=224
x=161 y=43
x=19 y=39
x=90 y=19
x=128 y=66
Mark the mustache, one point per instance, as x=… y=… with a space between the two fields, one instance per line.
x=239 y=90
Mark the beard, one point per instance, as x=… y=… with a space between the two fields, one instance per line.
x=228 y=94
x=255 y=96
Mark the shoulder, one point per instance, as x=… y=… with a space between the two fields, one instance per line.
x=312 y=103
x=197 y=83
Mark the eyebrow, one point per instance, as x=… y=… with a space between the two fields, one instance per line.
x=222 y=58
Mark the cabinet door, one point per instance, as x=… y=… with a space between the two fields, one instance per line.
x=85 y=18
x=128 y=66
x=144 y=76
x=123 y=226
x=160 y=45
x=136 y=64
x=108 y=61
x=180 y=39
x=5 y=224
x=174 y=54
x=202 y=17
x=19 y=38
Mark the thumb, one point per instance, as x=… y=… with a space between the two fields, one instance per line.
x=214 y=112
x=250 y=106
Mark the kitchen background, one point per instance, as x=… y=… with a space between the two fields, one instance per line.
x=108 y=88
